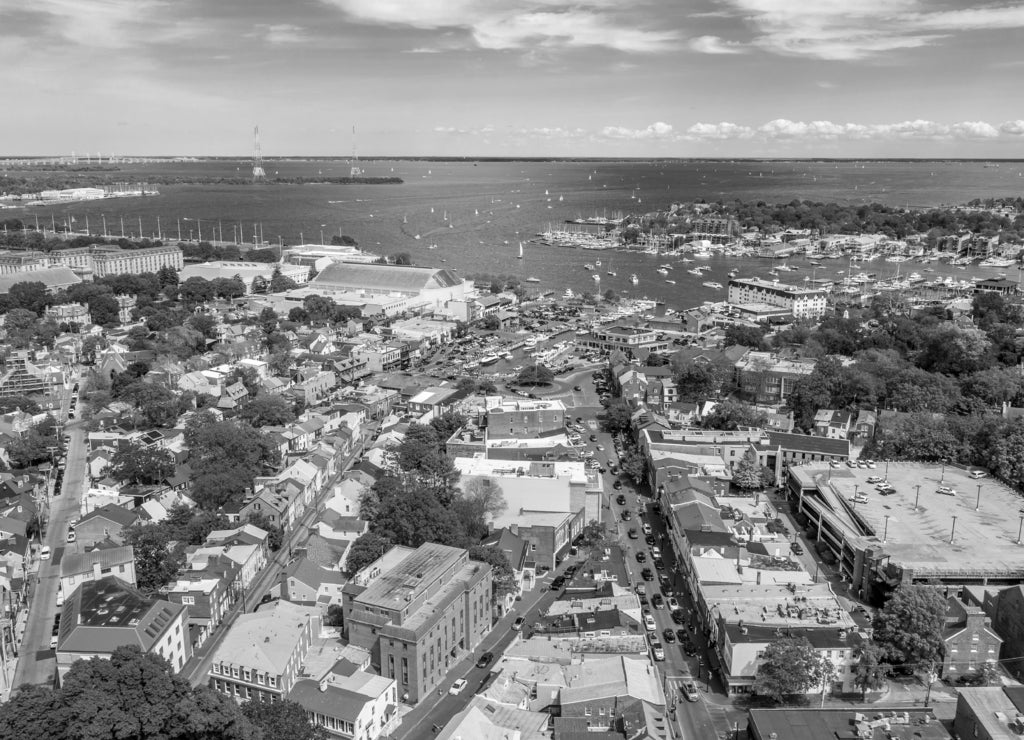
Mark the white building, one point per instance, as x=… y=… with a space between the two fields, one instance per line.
x=802 y=302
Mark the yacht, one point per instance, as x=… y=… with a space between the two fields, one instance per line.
x=662 y=271
x=613 y=274
x=712 y=284
x=671 y=282
x=666 y=266
x=634 y=279
x=597 y=263
x=489 y=359
x=696 y=272
x=997 y=262
x=532 y=280
x=588 y=266
x=733 y=273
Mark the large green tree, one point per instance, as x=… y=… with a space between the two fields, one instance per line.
x=139 y=464
x=790 y=667
x=536 y=374
x=366 y=548
x=617 y=417
x=503 y=577
x=910 y=625
x=282 y=720
x=131 y=696
x=871 y=669
x=747 y=474
x=157 y=560
x=731 y=415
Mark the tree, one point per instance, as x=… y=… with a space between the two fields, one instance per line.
x=366 y=548
x=909 y=627
x=420 y=453
x=595 y=537
x=618 y=417
x=196 y=290
x=490 y=323
x=335 y=616
x=746 y=336
x=871 y=669
x=33 y=447
x=447 y=424
x=267 y=410
x=731 y=415
x=633 y=463
x=534 y=375
x=748 y=472
x=410 y=513
x=30 y=295
x=167 y=276
x=156 y=406
x=280 y=283
x=225 y=456
x=482 y=500
x=319 y=309
x=789 y=667
x=138 y=464
x=503 y=577
x=156 y=563
x=104 y=311
x=205 y=324
x=283 y=720
x=20 y=325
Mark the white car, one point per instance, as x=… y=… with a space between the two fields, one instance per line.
x=649 y=623
x=978 y=474
x=655 y=551
x=673 y=604
x=457 y=687
x=647 y=529
x=44 y=554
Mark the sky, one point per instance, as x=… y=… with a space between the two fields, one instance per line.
x=647 y=78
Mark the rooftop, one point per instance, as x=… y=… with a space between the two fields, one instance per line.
x=385 y=277
x=409 y=575
x=919 y=538
x=816 y=724
x=76 y=563
x=266 y=640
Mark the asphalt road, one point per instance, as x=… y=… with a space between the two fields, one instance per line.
x=37 y=662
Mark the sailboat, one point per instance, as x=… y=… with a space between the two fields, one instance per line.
x=520 y=250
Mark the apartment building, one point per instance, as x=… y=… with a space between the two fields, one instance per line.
x=803 y=303
x=261 y=656
x=419 y=612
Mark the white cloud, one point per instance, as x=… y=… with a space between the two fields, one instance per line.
x=1012 y=128
x=714 y=45
x=517 y=24
x=110 y=24
x=782 y=129
x=657 y=130
x=280 y=34
x=841 y=30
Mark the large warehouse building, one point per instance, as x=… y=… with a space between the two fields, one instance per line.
x=423 y=287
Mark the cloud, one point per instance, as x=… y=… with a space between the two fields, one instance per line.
x=280 y=34
x=840 y=30
x=782 y=129
x=1012 y=128
x=517 y=24
x=110 y=24
x=715 y=45
x=657 y=130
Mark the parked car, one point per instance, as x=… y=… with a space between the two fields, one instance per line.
x=673 y=604
x=518 y=624
x=44 y=552
x=647 y=529
x=593 y=437
x=627 y=515
x=641 y=557
x=679 y=616
x=617 y=485
x=485 y=660
x=797 y=550
x=669 y=636
x=647 y=574
x=620 y=500
x=659 y=564
x=657 y=651
x=657 y=601
x=633 y=533
x=649 y=623
x=978 y=474
x=457 y=687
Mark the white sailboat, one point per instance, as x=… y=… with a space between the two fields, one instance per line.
x=520 y=250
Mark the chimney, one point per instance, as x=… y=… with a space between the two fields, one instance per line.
x=758 y=578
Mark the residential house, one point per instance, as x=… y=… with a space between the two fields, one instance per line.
x=103 y=615
x=208 y=592
x=970 y=642
x=349 y=703
x=106 y=523
x=833 y=424
x=307 y=583
x=77 y=568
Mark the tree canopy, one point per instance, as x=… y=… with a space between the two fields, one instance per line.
x=132 y=695
x=909 y=626
x=536 y=374
x=790 y=667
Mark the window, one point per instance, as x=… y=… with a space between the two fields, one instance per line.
x=247 y=674
x=586 y=711
x=188 y=600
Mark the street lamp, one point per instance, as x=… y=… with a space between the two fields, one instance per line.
x=887 y=470
x=931 y=680
x=942 y=476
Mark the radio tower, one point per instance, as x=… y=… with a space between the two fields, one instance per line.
x=258 y=175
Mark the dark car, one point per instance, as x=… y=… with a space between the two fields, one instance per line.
x=593 y=437
x=485 y=660
x=557 y=583
x=659 y=564
x=627 y=515
x=647 y=574
x=683 y=637
x=679 y=616
x=668 y=635
x=651 y=539
x=620 y=499
x=641 y=557
x=797 y=550
x=657 y=601
x=577 y=388
x=633 y=533
x=617 y=485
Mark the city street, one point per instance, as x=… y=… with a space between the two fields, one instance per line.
x=36 y=660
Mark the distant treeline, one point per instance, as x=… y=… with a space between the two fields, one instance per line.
x=64 y=179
